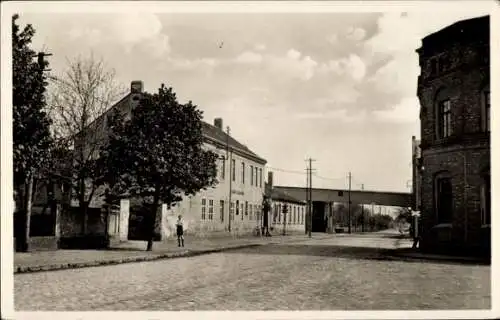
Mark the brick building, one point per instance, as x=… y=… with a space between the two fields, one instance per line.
x=454 y=94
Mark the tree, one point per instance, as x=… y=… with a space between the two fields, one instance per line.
x=157 y=154
x=80 y=96
x=31 y=134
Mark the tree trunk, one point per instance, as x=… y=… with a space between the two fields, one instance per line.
x=154 y=209
x=25 y=247
x=83 y=205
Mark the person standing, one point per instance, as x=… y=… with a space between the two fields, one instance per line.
x=180 y=231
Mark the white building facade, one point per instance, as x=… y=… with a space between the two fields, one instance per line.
x=234 y=204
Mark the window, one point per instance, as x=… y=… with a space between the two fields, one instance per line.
x=486 y=201
x=251 y=211
x=444 y=199
x=221 y=211
x=203 y=209
x=487 y=111
x=256 y=176
x=260 y=177
x=444 y=119
x=243 y=172
x=246 y=208
x=233 y=169
x=210 y=209
x=223 y=169
x=231 y=211
x=251 y=175
x=237 y=207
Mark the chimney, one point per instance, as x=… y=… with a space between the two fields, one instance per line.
x=136 y=86
x=218 y=123
x=270 y=178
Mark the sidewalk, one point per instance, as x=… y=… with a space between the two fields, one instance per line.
x=414 y=254
x=135 y=251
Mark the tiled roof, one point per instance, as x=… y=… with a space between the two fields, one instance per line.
x=210 y=132
x=217 y=134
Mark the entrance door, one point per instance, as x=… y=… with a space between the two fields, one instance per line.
x=444 y=200
x=318 y=223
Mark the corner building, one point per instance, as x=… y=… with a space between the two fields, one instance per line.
x=233 y=205
x=454 y=94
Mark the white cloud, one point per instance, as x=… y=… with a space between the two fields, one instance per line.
x=356 y=34
x=293 y=54
x=249 y=57
x=260 y=47
x=186 y=64
x=351 y=66
x=338 y=114
x=293 y=64
x=407 y=111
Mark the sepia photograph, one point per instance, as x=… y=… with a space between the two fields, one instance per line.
x=331 y=158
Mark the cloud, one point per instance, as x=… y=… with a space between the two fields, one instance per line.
x=293 y=65
x=406 y=111
x=356 y=34
x=249 y=57
x=260 y=47
x=192 y=64
x=351 y=66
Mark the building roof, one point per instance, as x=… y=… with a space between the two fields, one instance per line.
x=210 y=132
x=476 y=21
x=463 y=31
x=213 y=133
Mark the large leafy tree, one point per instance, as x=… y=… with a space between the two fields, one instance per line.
x=31 y=125
x=158 y=154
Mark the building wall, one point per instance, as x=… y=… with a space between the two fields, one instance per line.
x=295 y=218
x=247 y=191
x=465 y=155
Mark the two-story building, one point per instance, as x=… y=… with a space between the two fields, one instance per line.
x=232 y=205
x=454 y=94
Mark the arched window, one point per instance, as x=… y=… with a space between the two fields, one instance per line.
x=486 y=199
x=443 y=197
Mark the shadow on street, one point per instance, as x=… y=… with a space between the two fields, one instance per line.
x=344 y=252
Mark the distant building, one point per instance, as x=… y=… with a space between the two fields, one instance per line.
x=294 y=220
x=454 y=93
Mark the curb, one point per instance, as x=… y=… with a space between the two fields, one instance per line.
x=172 y=255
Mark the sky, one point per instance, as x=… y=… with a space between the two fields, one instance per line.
x=337 y=87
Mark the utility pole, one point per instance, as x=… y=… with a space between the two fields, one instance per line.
x=229 y=158
x=309 y=187
x=362 y=212
x=349 y=204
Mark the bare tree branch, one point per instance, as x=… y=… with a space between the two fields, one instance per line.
x=78 y=99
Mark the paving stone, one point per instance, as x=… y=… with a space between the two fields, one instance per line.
x=309 y=275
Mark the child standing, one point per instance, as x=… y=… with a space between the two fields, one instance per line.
x=180 y=231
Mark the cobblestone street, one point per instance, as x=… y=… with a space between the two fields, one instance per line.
x=333 y=274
